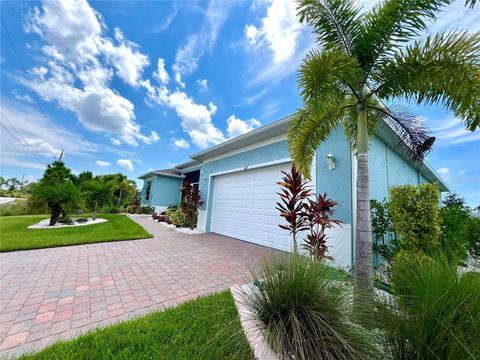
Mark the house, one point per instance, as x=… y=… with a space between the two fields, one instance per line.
x=238 y=177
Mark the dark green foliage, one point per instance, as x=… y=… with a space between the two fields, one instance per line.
x=471 y=233
x=436 y=315
x=207 y=328
x=303 y=312
x=56 y=191
x=453 y=199
x=97 y=194
x=453 y=241
x=385 y=242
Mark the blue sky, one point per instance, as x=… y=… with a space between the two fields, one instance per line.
x=130 y=87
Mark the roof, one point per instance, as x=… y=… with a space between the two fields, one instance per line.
x=266 y=132
x=188 y=164
x=165 y=172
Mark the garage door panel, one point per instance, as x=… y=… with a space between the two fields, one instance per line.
x=243 y=207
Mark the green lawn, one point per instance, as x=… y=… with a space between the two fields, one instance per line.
x=205 y=328
x=14 y=234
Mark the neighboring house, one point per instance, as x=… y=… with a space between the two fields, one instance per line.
x=238 y=181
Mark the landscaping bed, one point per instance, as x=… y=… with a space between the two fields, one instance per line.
x=205 y=328
x=15 y=234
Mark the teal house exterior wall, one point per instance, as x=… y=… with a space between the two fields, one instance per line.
x=164 y=191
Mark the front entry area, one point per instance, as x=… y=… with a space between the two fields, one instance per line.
x=243 y=207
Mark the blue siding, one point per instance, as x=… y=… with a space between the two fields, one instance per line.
x=165 y=191
x=337 y=182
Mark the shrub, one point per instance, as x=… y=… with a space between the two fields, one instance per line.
x=436 y=315
x=191 y=201
x=416 y=217
x=471 y=233
x=66 y=221
x=385 y=240
x=303 y=314
x=146 y=210
x=110 y=210
x=177 y=217
x=453 y=240
x=19 y=208
x=319 y=215
x=293 y=194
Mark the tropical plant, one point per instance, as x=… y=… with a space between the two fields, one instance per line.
x=370 y=57
x=319 y=218
x=471 y=232
x=56 y=191
x=453 y=241
x=416 y=216
x=385 y=240
x=96 y=194
x=303 y=312
x=177 y=217
x=191 y=201
x=435 y=314
x=292 y=206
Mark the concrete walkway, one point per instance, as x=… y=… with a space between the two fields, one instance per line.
x=52 y=294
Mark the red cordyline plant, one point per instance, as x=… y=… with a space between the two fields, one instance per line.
x=319 y=218
x=191 y=201
x=292 y=207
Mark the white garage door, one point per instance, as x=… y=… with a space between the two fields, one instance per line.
x=244 y=204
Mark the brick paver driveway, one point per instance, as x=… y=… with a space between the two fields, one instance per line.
x=52 y=294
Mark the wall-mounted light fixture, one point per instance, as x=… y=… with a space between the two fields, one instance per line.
x=330 y=161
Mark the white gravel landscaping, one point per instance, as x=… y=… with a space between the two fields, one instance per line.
x=44 y=224
x=182 y=229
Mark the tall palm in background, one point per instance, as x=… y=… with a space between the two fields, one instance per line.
x=366 y=58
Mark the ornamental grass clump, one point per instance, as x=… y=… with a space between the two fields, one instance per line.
x=436 y=314
x=304 y=313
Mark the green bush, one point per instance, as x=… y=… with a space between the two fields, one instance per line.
x=416 y=216
x=19 y=208
x=177 y=217
x=436 y=315
x=110 y=210
x=453 y=241
x=471 y=233
x=304 y=314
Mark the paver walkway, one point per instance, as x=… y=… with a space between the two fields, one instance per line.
x=58 y=293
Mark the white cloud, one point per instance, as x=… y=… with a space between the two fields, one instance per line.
x=79 y=64
x=202 y=84
x=22 y=98
x=443 y=171
x=102 y=163
x=236 y=127
x=41 y=134
x=189 y=54
x=279 y=30
x=125 y=163
x=161 y=74
x=451 y=131
x=165 y=24
x=180 y=143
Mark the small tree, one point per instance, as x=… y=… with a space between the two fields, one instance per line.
x=56 y=191
x=292 y=207
x=96 y=193
x=319 y=218
x=191 y=201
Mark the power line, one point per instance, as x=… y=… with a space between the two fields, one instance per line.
x=16 y=138
x=42 y=111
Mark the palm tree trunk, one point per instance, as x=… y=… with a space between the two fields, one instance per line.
x=119 y=198
x=56 y=209
x=363 y=270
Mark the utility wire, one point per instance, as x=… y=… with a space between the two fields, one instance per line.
x=18 y=140
x=42 y=111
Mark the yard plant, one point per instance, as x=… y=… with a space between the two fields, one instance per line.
x=368 y=59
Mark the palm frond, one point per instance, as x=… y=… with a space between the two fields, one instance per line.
x=350 y=121
x=327 y=72
x=445 y=70
x=390 y=25
x=409 y=137
x=335 y=22
x=310 y=126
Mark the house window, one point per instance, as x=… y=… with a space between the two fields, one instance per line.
x=193 y=177
x=147 y=191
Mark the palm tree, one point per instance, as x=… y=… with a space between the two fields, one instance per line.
x=366 y=59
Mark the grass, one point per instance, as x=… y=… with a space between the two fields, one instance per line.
x=205 y=328
x=14 y=234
